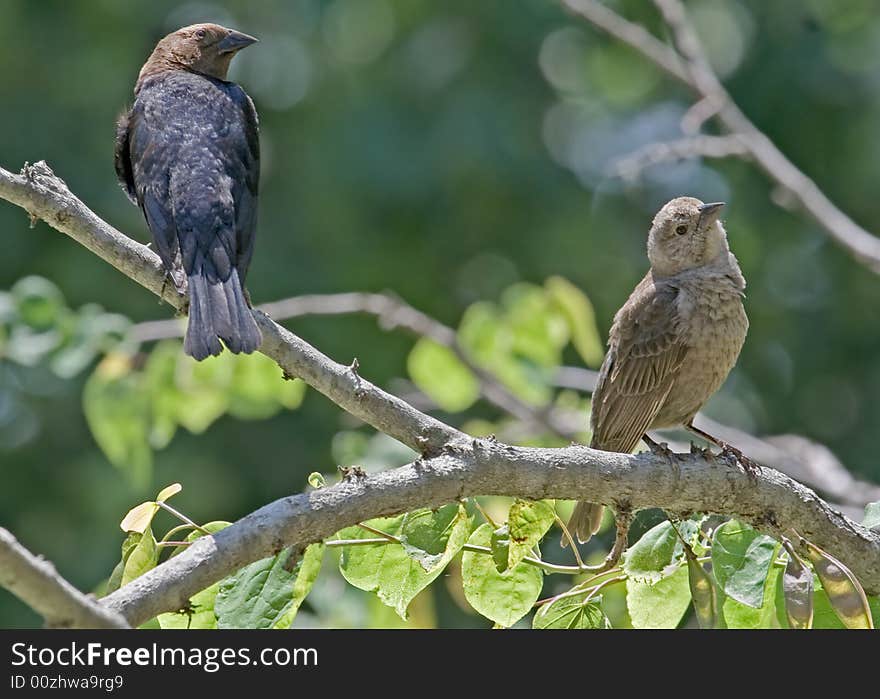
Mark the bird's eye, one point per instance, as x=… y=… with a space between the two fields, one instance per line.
x=200 y=34
x=681 y=230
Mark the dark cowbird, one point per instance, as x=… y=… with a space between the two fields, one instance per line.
x=672 y=343
x=188 y=153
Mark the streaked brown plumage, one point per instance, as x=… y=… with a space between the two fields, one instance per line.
x=673 y=342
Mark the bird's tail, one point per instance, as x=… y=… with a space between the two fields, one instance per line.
x=585 y=520
x=219 y=309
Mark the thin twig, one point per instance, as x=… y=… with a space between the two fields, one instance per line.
x=689 y=65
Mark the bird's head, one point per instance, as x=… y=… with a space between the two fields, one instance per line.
x=686 y=233
x=200 y=48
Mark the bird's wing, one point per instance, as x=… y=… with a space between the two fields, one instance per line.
x=645 y=356
x=122 y=157
x=246 y=187
x=145 y=161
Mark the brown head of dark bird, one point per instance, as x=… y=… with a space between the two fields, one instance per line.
x=206 y=49
x=685 y=234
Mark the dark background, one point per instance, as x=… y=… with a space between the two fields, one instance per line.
x=442 y=150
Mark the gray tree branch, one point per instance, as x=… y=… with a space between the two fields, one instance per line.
x=687 y=63
x=454 y=465
x=36 y=583
x=774 y=504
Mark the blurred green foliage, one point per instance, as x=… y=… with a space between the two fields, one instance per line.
x=459 y=154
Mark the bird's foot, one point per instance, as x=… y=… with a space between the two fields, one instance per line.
x=734 y=456
x=662 y=450
x=705 y=452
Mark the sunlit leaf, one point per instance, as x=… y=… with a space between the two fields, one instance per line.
x=660 y=605
x=118 y=413
x=649 y=557
x=441 y=375
x=741 y=559
x=741 y=616
x=580 y=316
x=139 y=517
x=385 y=569
x=143 y=557
x=308 y=571
x=433 y=537
x=259 y=595
x=527 y=523
x=572 y=613
x=168 y=492
x=502 y=597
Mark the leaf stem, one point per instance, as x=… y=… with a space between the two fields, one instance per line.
x=182 y=517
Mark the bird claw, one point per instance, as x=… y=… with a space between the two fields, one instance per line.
x=705 y=452
x=664 y=452
x=734 y=456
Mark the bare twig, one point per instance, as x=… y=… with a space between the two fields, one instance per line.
x=689 y=65
x=36 y=582
x=631 y=166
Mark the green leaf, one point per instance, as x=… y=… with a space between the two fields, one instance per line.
x=200 y=614
x=502 y=597
x=203 y=389
x=648 y=558
x=118 y=413
x=441 y=375
x=500 y=545
x=168 y=491
x=39 y=302
x=571 y=613
x=539 y=331
x=316 y=480
x=138 y=518
x=527 y=524
x=660 y=605
x=128 y=545
x=259 y=595
x=741 y=560
x=768 y=616
x=872 y=516
x=143 y=557
x=489 y=339
x=257 y=389
x=385 y=569
x=433 y=537
x=305 y=578
x=580 y=316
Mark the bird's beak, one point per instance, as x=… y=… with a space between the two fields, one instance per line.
x=709 y=212
x=235 y=41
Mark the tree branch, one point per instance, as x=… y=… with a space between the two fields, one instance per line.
x=392 y=313
x=688 y=65
x=774 y=504
x=36 y=583
x=45 y=196
x=456 y=465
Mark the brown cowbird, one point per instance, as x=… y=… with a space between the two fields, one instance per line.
x=188 y=153
x=672 y=343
